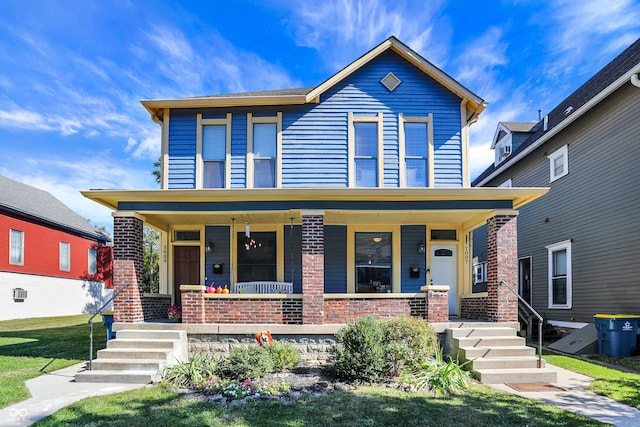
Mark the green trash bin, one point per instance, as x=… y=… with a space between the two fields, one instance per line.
x=107 y=321
x=617 y=334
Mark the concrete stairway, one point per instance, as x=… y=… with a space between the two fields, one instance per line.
x=497 y=355
x=137 y=356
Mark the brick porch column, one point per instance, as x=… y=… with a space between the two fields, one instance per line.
x=437 y=302
x=192 y=303
x=502 y=265
x=313 y=268
x=127 y=267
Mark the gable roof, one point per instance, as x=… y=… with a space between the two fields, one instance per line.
x=312 y=95
x=33 y=203
x=622 y=69
x=511 y=127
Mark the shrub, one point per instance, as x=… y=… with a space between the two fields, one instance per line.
x=284 y=355
x=440 y=376
x=236 y=389
x=408 y=341
x=184 y=374
x=359 y=353
x=246 y=362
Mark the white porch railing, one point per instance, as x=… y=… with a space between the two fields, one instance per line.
x=263 y=288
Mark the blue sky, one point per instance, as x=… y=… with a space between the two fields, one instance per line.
x=72 y=73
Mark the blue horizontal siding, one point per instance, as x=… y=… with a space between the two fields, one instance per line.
x=182 y=149
x=219 y=237
x=410 y=237
x=335 y=259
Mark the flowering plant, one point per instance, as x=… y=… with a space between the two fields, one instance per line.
x=235 y=389
x=174 y=312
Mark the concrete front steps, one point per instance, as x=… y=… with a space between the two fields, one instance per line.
x=497 y=355
x=136 y=356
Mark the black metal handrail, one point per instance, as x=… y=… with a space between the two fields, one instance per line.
x=91 y=322
x=535 y=313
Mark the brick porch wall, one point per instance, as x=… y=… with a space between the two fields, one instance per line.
x=502 y=265
x=127 y=269
x=437 y=306
x=342 y=310
x=474 y=308
x=156 y=306
x=312 y=269
x=280 y=311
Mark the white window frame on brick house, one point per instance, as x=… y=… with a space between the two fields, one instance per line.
x=352 y=155
x=92 y=261
x=65 y=256
x=556 y=274
x=402 y=147
x=558 y=163
x=252 y=158
x=201 y=156
x=16 y=247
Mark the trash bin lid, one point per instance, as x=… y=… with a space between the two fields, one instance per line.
x=616 y=316
x=110 y=313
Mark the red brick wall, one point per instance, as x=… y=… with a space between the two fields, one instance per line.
x=437 y=306
x=313 y=269
x=474 y=308
x=502 y=265
x=127 y=268
x=193 y=310
x=341 y=310
x=156 y=307
x=273 y=311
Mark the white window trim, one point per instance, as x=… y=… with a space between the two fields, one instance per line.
x=21 y=247
x=562 y=153
x=250 y=122
x=68 y=246
x=89 y=259
x=402 y=150
x=352 y=148
x=481 y=268
x=227 y=161
x=566 y=245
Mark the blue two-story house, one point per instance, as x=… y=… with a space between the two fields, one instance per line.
x=350 y=198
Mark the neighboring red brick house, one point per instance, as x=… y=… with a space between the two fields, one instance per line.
x=53 y=262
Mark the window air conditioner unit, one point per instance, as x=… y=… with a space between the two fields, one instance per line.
x=504 y=151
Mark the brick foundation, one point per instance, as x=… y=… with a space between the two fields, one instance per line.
x=312 y=269
x=342 y=310
x=502 y=265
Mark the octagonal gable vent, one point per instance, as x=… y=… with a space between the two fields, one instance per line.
x=391 y=81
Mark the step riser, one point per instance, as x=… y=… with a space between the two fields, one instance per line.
x=474 y=353
x=133 y=355
x=118 y=343
x=503 y=364
x=150 y=334
x=483 y=332
x=106 y=365
x=491 y=341
x=121 y=378
x=508 y=377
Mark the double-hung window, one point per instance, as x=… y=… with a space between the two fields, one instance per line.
x=415 y=148
x=365 y=151
x=65 y=256
x=264 y=151
x=560 y=274
x=558 y=163
x=16 y=247
x=214 y=152
x=92 y=267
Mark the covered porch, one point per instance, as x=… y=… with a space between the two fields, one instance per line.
x=348 y=253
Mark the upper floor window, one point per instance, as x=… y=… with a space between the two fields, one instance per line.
x=560 y=289
x=16 y=247
x=365 y=151
x=65 y=256
x=92 y=267
x=214 y=150
x=414 y=136
x=558 y=163
x=264 y=151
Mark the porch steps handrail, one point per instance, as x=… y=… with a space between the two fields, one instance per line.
x=100 y=310
x=535 y=313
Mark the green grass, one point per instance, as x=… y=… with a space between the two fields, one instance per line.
x=366 y=406
x=626 y=362
x=32 y=347
x=621 y=386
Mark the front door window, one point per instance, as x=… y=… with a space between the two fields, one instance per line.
x=373 y=262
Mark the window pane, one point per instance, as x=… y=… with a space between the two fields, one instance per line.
x=366 y=139
x=93 y=265
x=64 y=256
x=415 y=139
x=416 y=172
x=213 y=175
x=366 y=173
x=257 y=257
x=558 y=166
x=264 y=173
x=186 y=235
x=264 y=140
x=444 y=235
x=560 y=263
x=559 y=291
x=373 y=259
x=16 y=255
x=214 y=142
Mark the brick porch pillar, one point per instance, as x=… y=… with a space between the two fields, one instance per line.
x=192 y=303
x=127 y=267
x=437 y=301
x=502 y=265
x=313 y=268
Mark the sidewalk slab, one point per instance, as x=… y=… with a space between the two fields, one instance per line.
x=53 y=391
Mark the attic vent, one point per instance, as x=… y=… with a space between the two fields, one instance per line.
x=568 y=110
x=19 y=294
x=390 y=81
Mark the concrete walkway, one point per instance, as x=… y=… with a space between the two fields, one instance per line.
x=576 y=398
x=53 y=391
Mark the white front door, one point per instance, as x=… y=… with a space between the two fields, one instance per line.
x=444 y=272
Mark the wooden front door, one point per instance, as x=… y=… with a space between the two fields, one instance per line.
x=186 y=268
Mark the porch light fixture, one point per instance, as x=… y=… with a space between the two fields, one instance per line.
x=209 y=246
x=247 y=230
x=377 y=239
x=421 y=247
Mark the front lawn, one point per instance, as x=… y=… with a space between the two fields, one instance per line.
x=365 y=406
x=32 y=347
